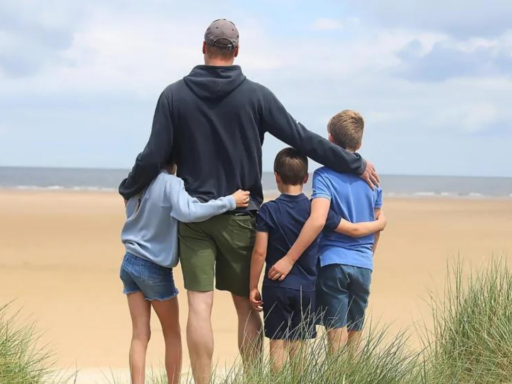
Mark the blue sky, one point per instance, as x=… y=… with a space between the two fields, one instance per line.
x=79 y=80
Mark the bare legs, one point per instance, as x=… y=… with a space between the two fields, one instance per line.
x=168 y=314
x=250 y=337
x=338 y=338
x=140 y=311
x=200 y=335
x=280 y=350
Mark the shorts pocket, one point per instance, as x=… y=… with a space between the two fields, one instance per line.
x=154 y=274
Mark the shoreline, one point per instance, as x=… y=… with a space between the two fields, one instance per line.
x=270 y=195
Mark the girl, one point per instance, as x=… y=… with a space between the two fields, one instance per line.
x=150 y=236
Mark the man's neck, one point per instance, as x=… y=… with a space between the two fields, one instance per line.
x=291 y=189
x=219 y=63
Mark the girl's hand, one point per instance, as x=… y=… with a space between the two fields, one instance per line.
x=242 y=198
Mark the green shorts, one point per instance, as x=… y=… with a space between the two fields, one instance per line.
x=218 y=249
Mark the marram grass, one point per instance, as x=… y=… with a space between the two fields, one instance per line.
x=470 y=342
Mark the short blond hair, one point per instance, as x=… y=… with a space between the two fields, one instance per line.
x=347 y=129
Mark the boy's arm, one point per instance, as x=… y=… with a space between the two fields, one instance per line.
x=362 y=229
x=259 y=254
x=308 y=234
x=378 y=214
x=188 y=209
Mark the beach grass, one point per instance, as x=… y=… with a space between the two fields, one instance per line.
x=470 y=342
x=471 y=337
x=21 y=362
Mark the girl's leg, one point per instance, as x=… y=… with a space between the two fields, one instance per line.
x=169 y=316
x=140 y=311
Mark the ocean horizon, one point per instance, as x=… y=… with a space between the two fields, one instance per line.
x=107 y=180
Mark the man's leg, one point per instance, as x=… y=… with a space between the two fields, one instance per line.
x=250 y=336
x=197 y=253
x=234 y=236
x=200 y=335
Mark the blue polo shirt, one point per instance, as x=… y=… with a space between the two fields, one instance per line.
x=283 y=220
x=353 y=200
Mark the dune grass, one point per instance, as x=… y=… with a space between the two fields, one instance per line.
x=20 y=360
x=471 y=339
x=470 y=342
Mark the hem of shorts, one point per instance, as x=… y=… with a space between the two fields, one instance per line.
x=310 y=337
x=294 y=288
x=202 y=288
x=166 y=298
x=130 y=292
x=241 y=294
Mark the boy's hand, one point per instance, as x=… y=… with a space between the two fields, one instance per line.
x=242 y=198
x=370 y=175
x=255 y=299
x=281 y=269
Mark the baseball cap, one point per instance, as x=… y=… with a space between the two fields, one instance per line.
x=222 y=34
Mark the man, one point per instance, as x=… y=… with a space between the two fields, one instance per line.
x=213 y=122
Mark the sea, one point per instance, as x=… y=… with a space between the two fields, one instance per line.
x=107 y=180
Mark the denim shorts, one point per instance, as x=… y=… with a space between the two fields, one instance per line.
x=141 y=275
x=342 y=296
x=288 y=313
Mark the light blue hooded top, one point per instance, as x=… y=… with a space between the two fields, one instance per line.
x=151 y=231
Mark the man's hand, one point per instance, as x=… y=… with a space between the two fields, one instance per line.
x=255 y=299
x=370 y=176
x=281 y=269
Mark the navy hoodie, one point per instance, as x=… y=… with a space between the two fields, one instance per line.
x=212 y=124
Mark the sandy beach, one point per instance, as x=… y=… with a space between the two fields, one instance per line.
x=60 y=256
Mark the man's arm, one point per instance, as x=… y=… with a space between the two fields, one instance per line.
x=279 y=123
x=259 y=254
x=157 y=151
x=308 y=234
x=362 y=229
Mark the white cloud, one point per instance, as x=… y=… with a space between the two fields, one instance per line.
x=326 y=24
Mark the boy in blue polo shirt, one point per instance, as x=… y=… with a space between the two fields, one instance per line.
x=346 y=263
x=288 y=300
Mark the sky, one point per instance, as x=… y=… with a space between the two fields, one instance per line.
x=433 y=79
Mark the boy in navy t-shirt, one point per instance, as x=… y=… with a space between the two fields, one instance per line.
x=346 y=263
x=288 y=300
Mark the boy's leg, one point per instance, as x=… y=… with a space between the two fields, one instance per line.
x=333 y=295
x=359 y=293
x=168 y=314
x=278 y=353
x=250 y=337
x=140 y=311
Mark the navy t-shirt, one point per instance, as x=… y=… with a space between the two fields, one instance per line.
x=283 y=220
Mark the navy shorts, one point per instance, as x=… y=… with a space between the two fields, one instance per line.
x=288 y=313
x=342 y=296
x=141 y=275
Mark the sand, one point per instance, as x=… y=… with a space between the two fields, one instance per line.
x=60 y=255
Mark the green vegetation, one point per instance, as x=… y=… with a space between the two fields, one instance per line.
x=470 y=342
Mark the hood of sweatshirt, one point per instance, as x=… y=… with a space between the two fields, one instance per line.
x=211 y=82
